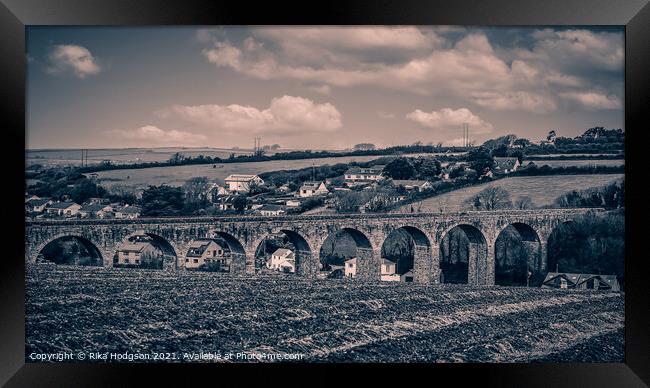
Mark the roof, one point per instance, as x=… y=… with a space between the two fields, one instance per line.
x=198 y=247
x=38 y=202
x=311 y=185
x=408 y=182
x=240 y=177
x=365 y=170
x=282 y=252
x=271 y=208
x=505 y=162
x=130 y=209
x=388 y=262
x=134 y=247
x=579 y=278
x=352 y=260
x=93 y=208
x=62 y=205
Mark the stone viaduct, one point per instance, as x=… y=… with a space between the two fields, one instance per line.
x=307 y=233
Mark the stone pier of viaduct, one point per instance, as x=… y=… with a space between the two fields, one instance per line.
x=244 y=234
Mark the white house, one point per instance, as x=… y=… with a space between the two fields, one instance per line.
x=95 y=210
x=282 y=260
x=128 y=212
x=505 y=165
x=364 y=174
x=388 y=269
x=309 y=189
x=271 y=210
x=202 y=252
x=242 y=183
x=132 y=253
x=66 y=208
x=412 y=184
x=351 y=268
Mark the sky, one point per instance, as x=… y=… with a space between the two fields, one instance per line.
x=317 y=87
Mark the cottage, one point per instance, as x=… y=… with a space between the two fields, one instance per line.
x=310 y=189
x=128 y=212
x=388 y=271
x=282 y=260
x=351 y=268
x=272 y=210
x=134 y=253
x=205 y=252
x=581 y=281
x=95 y=210
x=363 y=174
x=65 y=208
x=412 y=184
x=38 y=205
x=505 y=165
x=242 y=183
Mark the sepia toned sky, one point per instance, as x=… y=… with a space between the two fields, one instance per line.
x=317 y=87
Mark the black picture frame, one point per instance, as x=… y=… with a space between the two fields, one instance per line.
x=634 y=15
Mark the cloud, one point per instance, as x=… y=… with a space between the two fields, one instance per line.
x=322 y=89
x=74 y=59
x=429 y=61
x=594 y=100
x=152 y=135
x=285 y=115
x=448 y=118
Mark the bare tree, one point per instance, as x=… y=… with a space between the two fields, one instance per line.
x=524 y=203
x=491 y=198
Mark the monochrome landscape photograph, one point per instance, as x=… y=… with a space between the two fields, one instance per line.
x=436 y=194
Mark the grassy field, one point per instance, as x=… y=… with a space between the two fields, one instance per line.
x=584 y=162
x=177 y=175
x=542 y=189
x=118 y=310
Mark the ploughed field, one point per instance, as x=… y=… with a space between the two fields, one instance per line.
x=145 y=311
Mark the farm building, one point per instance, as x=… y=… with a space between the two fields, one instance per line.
x=282 y=260
x=133 y=253
x=505 y=165
x=581 y=281
x=128 y=212
x=204 y=252
x=66 y=208
x=310 y=189
x=242 y=183
x=351 y=268
x=388 y=271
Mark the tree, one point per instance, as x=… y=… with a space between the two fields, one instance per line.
x=480 y=159
x=84 y=189
x=196 y=194
x=491 y=198
x=349 y=201
x=524 y=203
x=239 y=203
x=364 y=147
x=162 y=200
x=551 y=136
x=427 y=168
x=500 y=151
x=400 y=168
x=177 y=158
